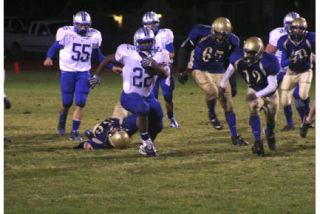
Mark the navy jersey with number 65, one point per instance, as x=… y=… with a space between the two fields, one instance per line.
x=207 y=54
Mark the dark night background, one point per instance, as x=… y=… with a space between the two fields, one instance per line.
x=248 y=17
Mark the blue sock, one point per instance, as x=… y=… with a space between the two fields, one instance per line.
x=288 y=113
x=145 y=136
x=75 y=125
x=170 y=114
x=255 y=126
x=231 y=120
x=269 y=129
x=62 y=119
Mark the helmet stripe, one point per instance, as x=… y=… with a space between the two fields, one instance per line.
x=83 y=16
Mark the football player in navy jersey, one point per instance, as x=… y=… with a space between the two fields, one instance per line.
x=106 y=135
x=274 y=37
x=259 y=69
x=210 y=49
x=297 y=48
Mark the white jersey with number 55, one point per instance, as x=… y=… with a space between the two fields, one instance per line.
x=77 y=51
x=135 y=78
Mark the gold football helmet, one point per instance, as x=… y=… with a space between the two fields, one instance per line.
x=298 y=28
x=220 y=29
x=253 y=49
x=120 y=139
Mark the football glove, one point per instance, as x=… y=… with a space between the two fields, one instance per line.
x=221 y=92
x=94 y=80
x=146 y=63
x=183 y=77
x=250 y=97
x=299 y=58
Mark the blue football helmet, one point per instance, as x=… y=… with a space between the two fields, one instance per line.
x=288 y=19
x=81 y=19
x=144 y=40
x=151 y=19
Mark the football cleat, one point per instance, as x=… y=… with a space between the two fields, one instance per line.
x=89 y=134
x=287 y=128
x=258 y=147
x=239 y=141
x=270 y=139
x=173 y=122
x=304 y=128
x=61 y=129
x=216 y=123
x=75 y=136
x=147 y=148
x=7 y=103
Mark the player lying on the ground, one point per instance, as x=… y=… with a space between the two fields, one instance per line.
x=111 y=134
x=105 y=135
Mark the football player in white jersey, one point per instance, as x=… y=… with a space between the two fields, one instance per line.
x=141 y=66
x=274 y=36
x=164 y=40
x=76 y=44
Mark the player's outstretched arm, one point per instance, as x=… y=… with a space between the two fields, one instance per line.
x=105 y=62
x=51 y=52
x=95 y=79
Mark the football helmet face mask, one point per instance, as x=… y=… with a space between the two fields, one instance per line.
x=144 y=40
x=288 y=19
x=151 y=20
x=82 y=22
x=253 y=49
x=221 y=29
x=298 y=29
x=119 y=139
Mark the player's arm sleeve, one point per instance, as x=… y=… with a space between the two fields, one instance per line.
x=53 y=49
x=184 y=54
x=98 y=54
x=170 y=48
x=230 y=70
x=285 y=59
x=273 y=38
x=169 y=42
x=313 y=41
x=272 y=86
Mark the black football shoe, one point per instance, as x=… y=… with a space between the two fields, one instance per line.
x=258 y=147
x=287 y=128
x=271 y=139
x=215 y=122
x=239 y=141
x=304 y=127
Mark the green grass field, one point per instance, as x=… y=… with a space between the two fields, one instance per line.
x=197 y=170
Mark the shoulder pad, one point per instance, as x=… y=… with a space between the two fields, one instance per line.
x=234 y=40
